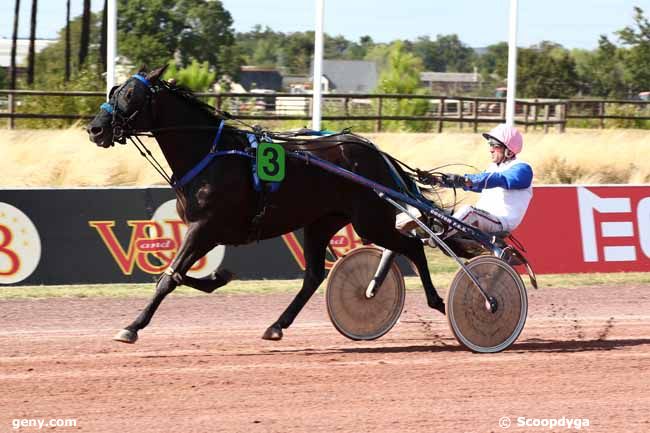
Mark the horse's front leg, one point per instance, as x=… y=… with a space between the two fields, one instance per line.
x=317 y=236
x=196 y=244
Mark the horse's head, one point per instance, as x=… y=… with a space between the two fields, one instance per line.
x=129 y=108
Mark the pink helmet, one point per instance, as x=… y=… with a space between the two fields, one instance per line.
x=508 y=136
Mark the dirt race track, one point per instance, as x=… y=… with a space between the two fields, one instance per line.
x=201 y=367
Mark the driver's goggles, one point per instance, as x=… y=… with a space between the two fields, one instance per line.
x=494 y=143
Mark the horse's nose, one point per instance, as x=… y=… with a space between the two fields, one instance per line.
x=95 y=130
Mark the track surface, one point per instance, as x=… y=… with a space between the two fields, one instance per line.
x=201 y=367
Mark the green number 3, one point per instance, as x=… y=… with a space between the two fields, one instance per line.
x=271 y=162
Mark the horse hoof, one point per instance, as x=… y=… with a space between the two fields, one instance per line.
x=439 y=305
x=126 y=336
x=273 y=334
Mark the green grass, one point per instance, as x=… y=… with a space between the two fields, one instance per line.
x=442 y=272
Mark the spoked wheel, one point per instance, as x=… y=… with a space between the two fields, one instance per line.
x=352 y=313
x=472 y=320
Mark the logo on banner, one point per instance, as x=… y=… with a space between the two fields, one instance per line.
x=343 y=241
x=20 y=245
x=621 y=231
x=153 y=244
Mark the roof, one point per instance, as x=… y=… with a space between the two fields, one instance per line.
x=260 y=78
x=22 y=49
x=451 y=77
x=351 y=76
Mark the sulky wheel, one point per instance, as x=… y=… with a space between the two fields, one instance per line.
x=470 y=318
x=352 y=313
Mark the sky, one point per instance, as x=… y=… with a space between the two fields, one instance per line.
x=478 y=23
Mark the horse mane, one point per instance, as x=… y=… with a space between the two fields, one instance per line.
x=186 y=94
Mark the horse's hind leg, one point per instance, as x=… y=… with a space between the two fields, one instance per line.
x=195 y=245
x=210 y=283
x=378 y=225
x=317 y=237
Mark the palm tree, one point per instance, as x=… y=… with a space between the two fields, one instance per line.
x=67 y=43
x=14 y=42
x=85 y=34
x=32 y=43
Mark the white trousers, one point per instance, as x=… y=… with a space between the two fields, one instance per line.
x=479 y=218
x=470 y=215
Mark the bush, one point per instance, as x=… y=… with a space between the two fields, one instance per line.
x=74 y=105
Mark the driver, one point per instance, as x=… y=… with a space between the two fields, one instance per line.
x=505 y=187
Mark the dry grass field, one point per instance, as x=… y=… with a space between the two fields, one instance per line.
x=66 y=158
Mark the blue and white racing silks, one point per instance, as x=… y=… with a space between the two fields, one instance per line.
x=506 y=190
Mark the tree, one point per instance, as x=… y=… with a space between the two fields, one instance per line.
x=3 y=78
x=495 y=60
x=403 y=72
x=155 y=31
x=402 y=75
x=446 y=54
x=379 y=53
x=85 y=33
x=298 y=52
x=207 y=35
x=14 y=42
x=637 y=58
x=56 y=57
x=543 y=72
x=197 y=76
x=32 y=43
x=602 y=71
x=67 y=43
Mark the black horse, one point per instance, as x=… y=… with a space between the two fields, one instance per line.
x=221 y=206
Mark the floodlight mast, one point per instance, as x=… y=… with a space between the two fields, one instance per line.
x=318 y=68
x=111 y=44
x=512 y=65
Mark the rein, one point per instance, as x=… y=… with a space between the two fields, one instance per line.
x=123 y=130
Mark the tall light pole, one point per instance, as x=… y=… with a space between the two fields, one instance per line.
x=512 y=65
x=318 y=67
x=111 y=44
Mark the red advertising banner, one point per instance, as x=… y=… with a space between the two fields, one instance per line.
x=574 y=229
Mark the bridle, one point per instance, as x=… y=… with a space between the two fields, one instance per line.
x=121 y=124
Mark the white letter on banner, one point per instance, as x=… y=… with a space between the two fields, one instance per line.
x=643 y=217
x=587 y=203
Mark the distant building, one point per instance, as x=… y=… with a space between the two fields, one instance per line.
x=255 y=77
x=349 y=76
x=450 y=83
x=22 y=50
x=296 y=83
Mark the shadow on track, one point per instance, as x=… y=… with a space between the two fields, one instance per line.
x=532 y=345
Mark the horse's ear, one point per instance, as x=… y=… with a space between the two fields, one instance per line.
x=156 y=74
x=143 y=70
